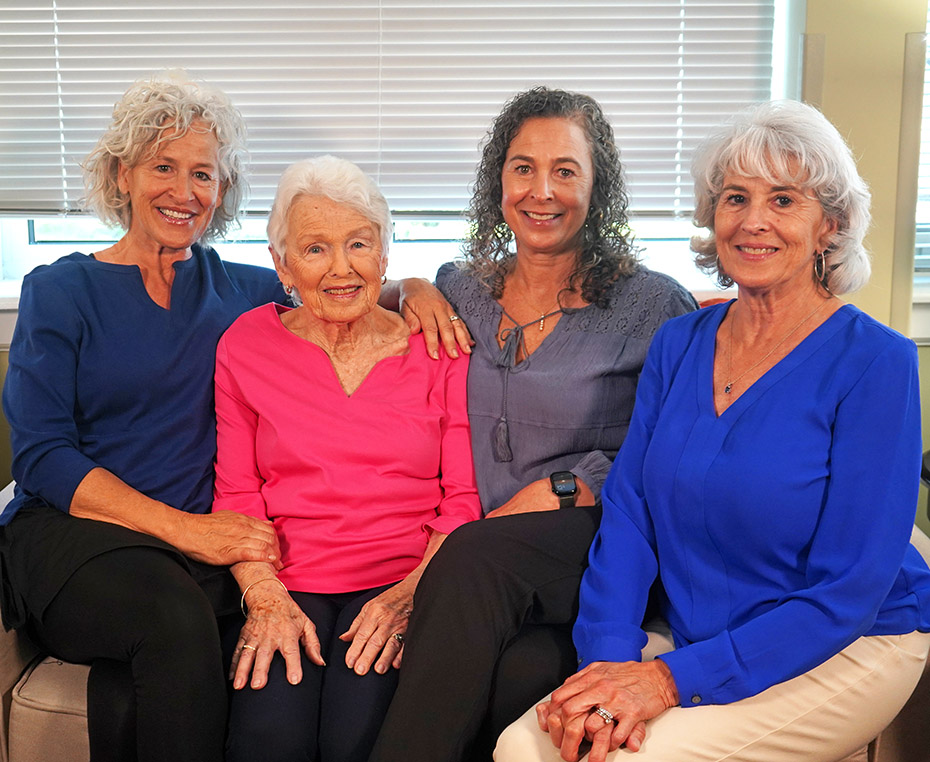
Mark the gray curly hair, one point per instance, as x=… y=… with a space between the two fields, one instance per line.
x=152 y=111
x=787 y=142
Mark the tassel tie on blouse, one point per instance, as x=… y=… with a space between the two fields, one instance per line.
x=513 y=341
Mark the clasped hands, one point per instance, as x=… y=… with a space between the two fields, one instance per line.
x=276 y=623
x=632 y=692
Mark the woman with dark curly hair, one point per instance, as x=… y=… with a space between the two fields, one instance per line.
x=562 y=315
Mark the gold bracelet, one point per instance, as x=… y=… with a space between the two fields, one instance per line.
x=257 y=582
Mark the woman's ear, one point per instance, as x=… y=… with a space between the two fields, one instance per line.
x=284 y=274
x=827 y=233
x=122 y=178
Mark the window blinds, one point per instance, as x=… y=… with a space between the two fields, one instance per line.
x=405 y=88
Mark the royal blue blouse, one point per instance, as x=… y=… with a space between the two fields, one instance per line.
x=779 y=529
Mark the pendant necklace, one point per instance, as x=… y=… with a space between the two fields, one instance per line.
x=544 y=315
x=782 y=340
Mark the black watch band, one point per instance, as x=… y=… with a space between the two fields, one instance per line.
x=564 y=488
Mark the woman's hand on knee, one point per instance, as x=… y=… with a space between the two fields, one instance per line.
x=377 y=632
x=630 y=693
x=275 y=623
x=225 y=538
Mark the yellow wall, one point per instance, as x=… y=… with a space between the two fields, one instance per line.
x=861 y=91
x=855 y=73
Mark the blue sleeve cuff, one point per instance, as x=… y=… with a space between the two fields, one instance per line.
x=57 y=475
x=593 y=647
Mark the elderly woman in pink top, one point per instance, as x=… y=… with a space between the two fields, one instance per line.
x=335 y=424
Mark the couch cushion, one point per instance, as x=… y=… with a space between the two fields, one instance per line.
x=48 y=714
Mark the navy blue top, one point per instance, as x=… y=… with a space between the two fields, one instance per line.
x=779 y=528
x=100 y=375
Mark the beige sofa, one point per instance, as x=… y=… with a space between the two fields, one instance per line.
x=45 y=717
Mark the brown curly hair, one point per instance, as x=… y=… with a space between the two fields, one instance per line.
x=607 y=250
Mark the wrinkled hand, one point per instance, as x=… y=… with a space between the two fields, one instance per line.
x=425 y=309
x=275 y=623
x=226 y=537
x=631 y=691
x=372 y=631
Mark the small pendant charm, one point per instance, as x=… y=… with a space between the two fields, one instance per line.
x=542 y=322
x=726 y=389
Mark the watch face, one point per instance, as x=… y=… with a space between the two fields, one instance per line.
x=563 y=483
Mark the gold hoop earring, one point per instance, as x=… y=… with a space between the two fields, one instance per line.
x=821 y=273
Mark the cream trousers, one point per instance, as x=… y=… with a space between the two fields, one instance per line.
x=824 y=715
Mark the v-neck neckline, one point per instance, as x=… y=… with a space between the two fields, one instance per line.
x=279 y=309
x=133 y=270
x=807 y=346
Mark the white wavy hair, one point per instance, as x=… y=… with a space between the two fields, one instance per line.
x=336 y=179
x=787 y=142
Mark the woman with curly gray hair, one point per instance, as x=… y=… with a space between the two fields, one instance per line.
x=768 y=484
x=562 y=315
x=110 y=554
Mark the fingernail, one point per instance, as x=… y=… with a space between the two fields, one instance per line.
x=380 y=670
x=293 y=679
x=434 y=355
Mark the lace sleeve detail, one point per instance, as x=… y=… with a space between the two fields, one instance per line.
x=639 y=304
x=467 y=295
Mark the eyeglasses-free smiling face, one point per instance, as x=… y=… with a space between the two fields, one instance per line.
x=334 y=258
x=767 y=234
x=175 y=191
x=546 y=186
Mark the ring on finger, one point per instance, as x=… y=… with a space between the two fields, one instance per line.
x=604 y=715
x=251 y=648
x=453 y=318
x=399 y=637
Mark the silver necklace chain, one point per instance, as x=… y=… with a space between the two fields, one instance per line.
x=782 y=340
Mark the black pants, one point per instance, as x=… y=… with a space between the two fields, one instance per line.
x=332 y=715
x=489 y=635
x=157 y=689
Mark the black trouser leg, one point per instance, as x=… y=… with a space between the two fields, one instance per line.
x=139 y=606
x=534 y=664
x=489 y=579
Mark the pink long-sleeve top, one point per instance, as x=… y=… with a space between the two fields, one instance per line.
x=354 y=484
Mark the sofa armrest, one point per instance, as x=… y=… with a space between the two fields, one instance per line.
x=16 y=653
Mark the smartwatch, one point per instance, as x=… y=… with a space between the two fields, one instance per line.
x=564 y=488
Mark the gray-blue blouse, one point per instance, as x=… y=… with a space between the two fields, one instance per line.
x=568 y=406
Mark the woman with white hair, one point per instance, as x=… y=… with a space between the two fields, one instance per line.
x=335 y=424
x=768 y=482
